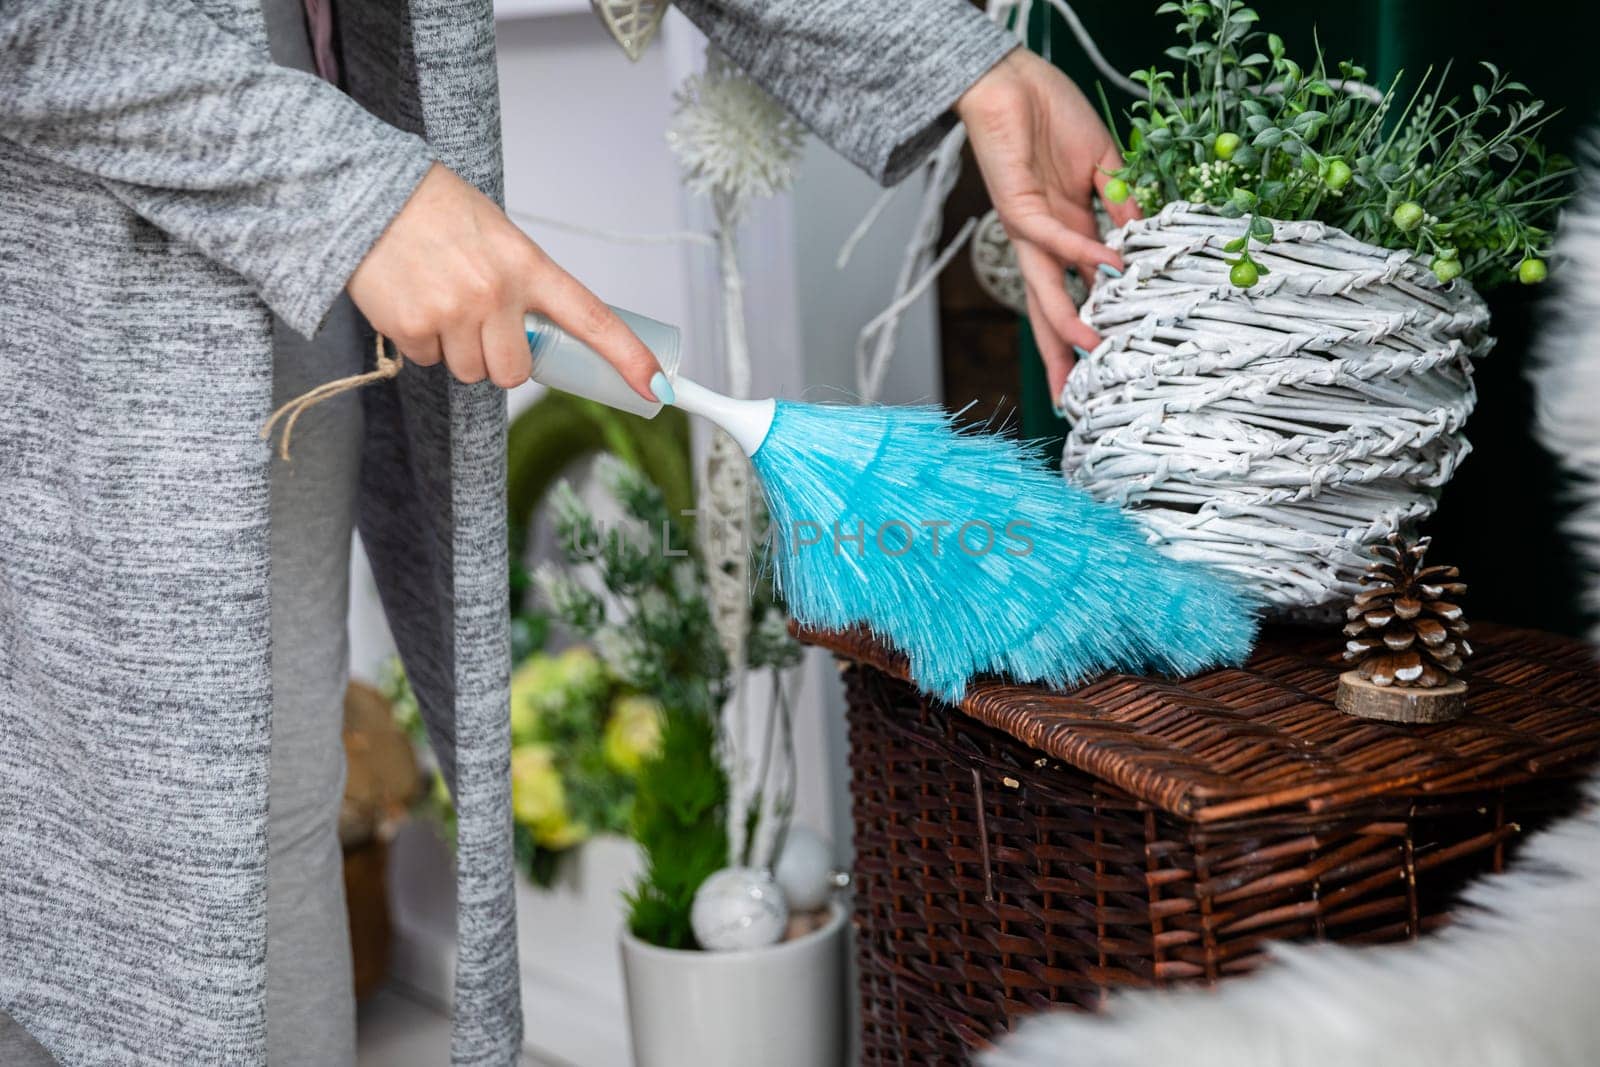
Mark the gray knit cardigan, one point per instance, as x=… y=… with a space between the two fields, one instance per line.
x=162 y=187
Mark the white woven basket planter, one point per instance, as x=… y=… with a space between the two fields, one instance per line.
x=1274 y=432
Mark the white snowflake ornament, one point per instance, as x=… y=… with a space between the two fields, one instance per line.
x=632 y=23
x=735 y=142
x=994 y=261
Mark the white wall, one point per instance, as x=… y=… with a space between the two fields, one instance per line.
x=583 y=143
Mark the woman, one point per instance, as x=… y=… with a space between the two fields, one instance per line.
x=194 y=227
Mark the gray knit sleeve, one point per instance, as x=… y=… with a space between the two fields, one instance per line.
x=874 y=78
x=269 y=171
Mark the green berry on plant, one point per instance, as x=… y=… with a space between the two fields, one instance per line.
x=1531 y=271
x=539 y=799
x=1226 y=145
x=1446 y=269
x=1116 y=191
x=1408 y=216
x=1244 y=274
x=1336 y=175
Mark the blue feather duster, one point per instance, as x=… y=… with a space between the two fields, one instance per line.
x=959 y=549
x=963 y=551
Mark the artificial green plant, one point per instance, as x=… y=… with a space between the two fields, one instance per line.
x=1242 y=127
x=636 y=589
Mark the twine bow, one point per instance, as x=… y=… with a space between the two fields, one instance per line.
x=387 y=367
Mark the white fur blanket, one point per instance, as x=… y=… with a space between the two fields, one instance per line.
x=1515 y=982
x=1566 y=373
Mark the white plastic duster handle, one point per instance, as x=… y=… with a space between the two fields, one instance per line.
x=747 y=421
x=565 y=363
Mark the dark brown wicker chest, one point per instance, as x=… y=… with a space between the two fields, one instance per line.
x=1031 y=850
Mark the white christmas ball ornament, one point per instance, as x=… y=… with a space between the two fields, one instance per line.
x=738 y=908
x=805 y=869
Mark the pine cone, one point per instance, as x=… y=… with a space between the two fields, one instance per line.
x=1402 y=631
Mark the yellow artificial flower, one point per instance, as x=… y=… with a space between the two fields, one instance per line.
x=539 y=800
x=560 y=834
x=538 y=675
x=581 y=673
x=633 y=733
x=544 y=684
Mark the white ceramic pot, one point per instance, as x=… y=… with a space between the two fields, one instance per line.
x=779 y=1006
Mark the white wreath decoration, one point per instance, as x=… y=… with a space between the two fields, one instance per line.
x=994 y=263
x=1273 y=432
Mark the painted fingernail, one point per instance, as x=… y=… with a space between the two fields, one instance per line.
x=662 y=389
x=1082 y=353
x=1109 y=271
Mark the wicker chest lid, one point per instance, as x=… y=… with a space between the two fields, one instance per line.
x=1241 y=741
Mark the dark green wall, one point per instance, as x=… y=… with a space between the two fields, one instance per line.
x=1498 y=517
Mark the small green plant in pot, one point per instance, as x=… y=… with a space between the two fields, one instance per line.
x=620 y=732
x=580 y=734
x=1286 y=370
x=636 y=590
x=1242 y=127
x=644 y=607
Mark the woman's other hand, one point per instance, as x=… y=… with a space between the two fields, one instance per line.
x=1044 y=154
x=452 y=277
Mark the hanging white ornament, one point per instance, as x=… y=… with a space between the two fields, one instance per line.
x=805 y=869
x=738 y=908
x=994 y=261
x=632 y=23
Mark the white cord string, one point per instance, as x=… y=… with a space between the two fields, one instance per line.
x=877 y=363
x=875 y=344
x=849 y=247
x=1107 y=71
x=1133 y=88
x=620 y=236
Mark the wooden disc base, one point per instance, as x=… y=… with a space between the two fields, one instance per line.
x=1393 y=703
